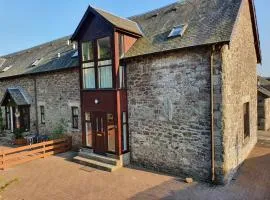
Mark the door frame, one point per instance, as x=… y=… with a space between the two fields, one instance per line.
x=93 y=115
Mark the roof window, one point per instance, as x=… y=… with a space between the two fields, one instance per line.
x=6 y=68
x=177 y=31
x=75 y=54
x=36 y=62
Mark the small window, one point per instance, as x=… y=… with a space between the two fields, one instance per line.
x=246 y=121
x=122 y=76
x=87 y=51
x=42 y=115
x=177 y=31
x=121 y=45
x=75 y=117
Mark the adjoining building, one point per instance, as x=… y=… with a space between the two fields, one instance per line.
x=263 y=104
x=173 y=89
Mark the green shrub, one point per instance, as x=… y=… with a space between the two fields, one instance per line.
x=60 y=130
x=18 y=133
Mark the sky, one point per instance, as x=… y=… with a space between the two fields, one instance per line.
x=28 y=23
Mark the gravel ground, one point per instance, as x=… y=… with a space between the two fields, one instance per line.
x=58 y=178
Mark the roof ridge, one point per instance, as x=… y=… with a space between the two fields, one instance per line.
x=34 y=47
x=113 y=14
x=154 y=10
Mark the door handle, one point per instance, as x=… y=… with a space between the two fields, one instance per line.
x=99 y=135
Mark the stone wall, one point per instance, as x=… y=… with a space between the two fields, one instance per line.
x=263 y=112
x=239 y=69
x=169 y=112
x=57 y=92
x=267 y=114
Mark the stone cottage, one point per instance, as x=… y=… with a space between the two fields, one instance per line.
x=173 y=89
x=263 y=104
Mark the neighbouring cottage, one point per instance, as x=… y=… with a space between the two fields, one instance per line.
x=173 y=89
x=263 y=104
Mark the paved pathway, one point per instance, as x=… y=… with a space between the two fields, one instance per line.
x=56 y=178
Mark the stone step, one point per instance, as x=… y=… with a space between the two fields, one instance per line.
x=96 y=164
x=99 y=158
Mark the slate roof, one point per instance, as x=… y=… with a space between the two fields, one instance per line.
x=209 y=21
x=264 y=91
x=22 y=61
x=17 y=95
x=119 y=22
x=264 y=86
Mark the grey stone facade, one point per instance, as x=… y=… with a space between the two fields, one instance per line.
x=170 y=113
x=57 y=92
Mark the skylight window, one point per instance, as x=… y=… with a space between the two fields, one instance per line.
x=75 y=54
x=6 y=68
x=177 y=31
x=36 y=62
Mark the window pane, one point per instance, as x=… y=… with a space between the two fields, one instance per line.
x=104 y=62
x=104 y=48
x=88 y=132
x=75 y=111
x=124 y=117
x=87 y=51
x=125 y=137
x=87 y=116
x=121 y=45
x=89 y=78
x=105 y=77
x=111 y=133
x=121 y=77
x=87 y=65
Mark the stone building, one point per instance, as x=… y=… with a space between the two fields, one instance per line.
x=263 y=104
x=173 y=89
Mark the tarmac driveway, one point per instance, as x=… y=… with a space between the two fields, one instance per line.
x=57 y=178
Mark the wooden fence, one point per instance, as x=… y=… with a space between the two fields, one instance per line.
x=12 y=157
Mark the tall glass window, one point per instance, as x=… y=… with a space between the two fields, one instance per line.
x=111 y=132
x=124 y=132
x=89 y=80
x=104 y=63
x=122 y=76
x=121 y=45
x=88 y=130
x=87 y=51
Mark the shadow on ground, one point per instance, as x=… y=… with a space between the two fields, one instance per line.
x=252 y=182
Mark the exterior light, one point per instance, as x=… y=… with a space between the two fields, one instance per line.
x=96 y=101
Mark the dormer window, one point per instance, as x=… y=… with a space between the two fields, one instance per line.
x=177 y=31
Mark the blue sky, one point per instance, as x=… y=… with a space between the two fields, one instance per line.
x=31 y=22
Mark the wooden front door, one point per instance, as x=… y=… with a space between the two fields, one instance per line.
x=100 y=129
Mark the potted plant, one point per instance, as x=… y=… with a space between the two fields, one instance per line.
x=18 y=135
